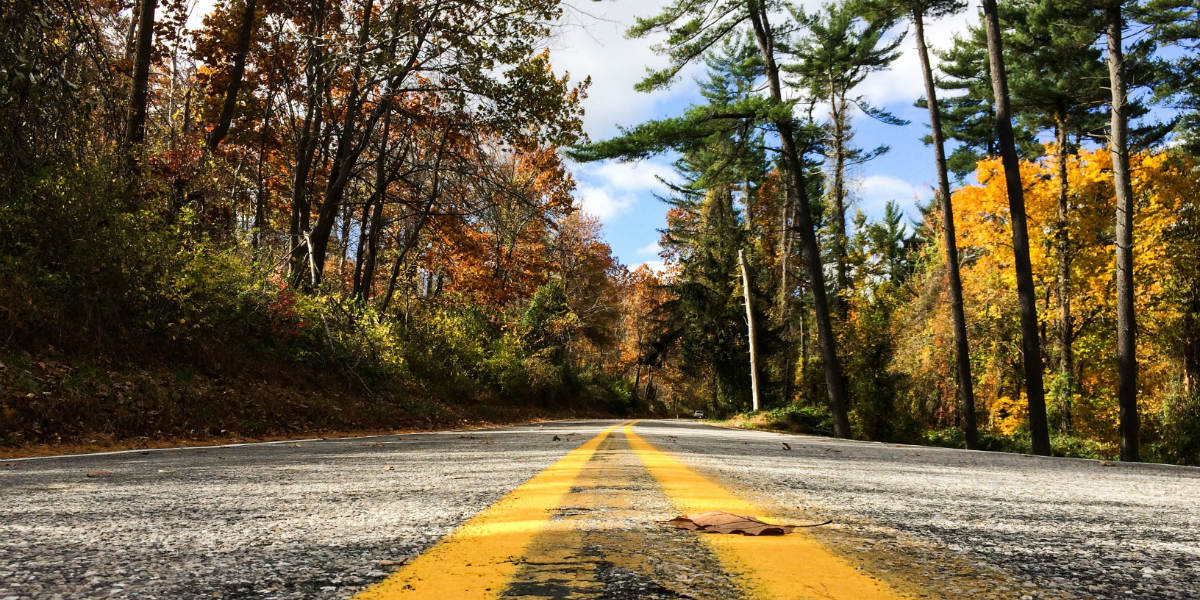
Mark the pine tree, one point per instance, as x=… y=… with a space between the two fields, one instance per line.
x=1114 y=21
x=917 y=11
x=837 y=51
x=1031 y=344
x=1176 y=24
x=694 y=27
x=968 y=112
x=697 y=130
x=1057 y=85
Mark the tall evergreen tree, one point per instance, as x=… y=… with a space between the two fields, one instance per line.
x=1114 y=21
x=968 y=106
x=1176 y=24
x=1031 y=344
x=917 y=11
x=838 y=50
x=692 y=29
x=1057 y=85
x=722 y=161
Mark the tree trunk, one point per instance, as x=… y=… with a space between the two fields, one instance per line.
x=131 y=31
x=793 y=168
x=135 y=123
x=235 y=78
x=343 y=159
x=787 y=356
x=962 y=351
x=1031 y=345
x=1066 y=328
x=1126 y=324
x=375 y=224
x=753 y=339
x=1191 y=343
x=261 y=197
x=307 y=145
x=839 y=204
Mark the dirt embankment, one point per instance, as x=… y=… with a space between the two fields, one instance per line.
x=54 y=405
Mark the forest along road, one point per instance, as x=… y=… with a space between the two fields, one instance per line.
x=576 y=510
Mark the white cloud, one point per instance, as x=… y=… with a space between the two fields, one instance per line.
x=902 y=82
x=590 y=41
x=875 y=191
x=640 y=175
x=657 y=266
x=611 y=189
x=651 y=249
x=599 y=203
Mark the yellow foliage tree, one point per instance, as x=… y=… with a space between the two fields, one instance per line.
x=1167 y=244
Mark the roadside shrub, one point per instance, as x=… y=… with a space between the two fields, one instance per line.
x=1077 y=447
x=1179 y=434
x=802 y=419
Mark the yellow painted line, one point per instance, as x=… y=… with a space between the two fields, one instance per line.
x=776 y=567
x=478 y=559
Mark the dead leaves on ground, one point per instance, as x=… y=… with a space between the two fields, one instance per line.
x=725 y=522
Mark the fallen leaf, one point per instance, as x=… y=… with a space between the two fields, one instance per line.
x=786 y=446
x=557 y=439
x=724 y=522
x=99 y=473
x=391 y=563
x=1107 y=463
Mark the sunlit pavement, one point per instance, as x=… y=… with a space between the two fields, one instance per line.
x=517 y=513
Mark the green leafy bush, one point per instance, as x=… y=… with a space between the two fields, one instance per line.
x=1179 y=433
x=801 y=419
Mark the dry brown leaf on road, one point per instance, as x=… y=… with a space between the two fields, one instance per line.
x=724 y=522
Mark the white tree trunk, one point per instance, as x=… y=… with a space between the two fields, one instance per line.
x=750 y=325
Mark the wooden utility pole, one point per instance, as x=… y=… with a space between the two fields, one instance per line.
x=750 y=326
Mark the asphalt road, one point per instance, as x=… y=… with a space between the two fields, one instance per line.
x=335 y=518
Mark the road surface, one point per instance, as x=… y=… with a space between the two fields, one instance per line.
x=576 y=510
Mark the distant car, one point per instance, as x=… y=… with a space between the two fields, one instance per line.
x=698 y=415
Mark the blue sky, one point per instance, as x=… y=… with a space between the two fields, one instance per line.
x=591 y=42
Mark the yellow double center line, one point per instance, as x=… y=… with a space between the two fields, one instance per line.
x=477 y=559
x=784 y=566
x=480 y=558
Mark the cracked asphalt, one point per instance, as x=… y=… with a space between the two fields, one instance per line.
x=326 y=518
